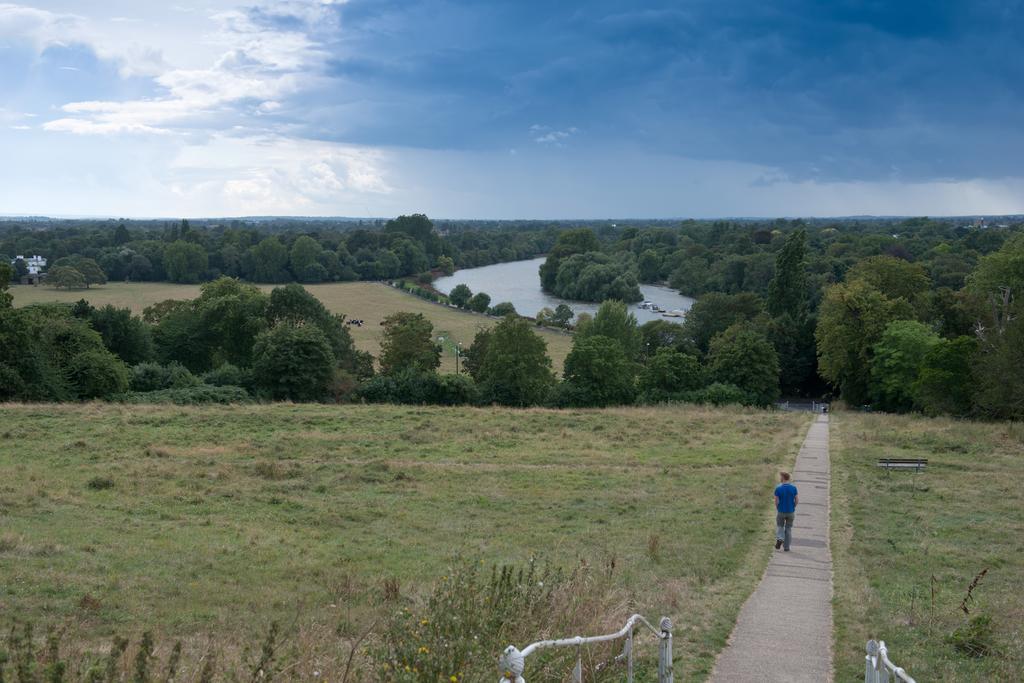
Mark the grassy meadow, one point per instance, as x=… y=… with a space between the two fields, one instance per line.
x=203 y=522
x=907 y=546
x=369 y=301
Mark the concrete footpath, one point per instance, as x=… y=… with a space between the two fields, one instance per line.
x=784 y=631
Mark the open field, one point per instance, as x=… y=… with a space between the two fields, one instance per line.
x=216 y=520
x=369 y=301
x=907 y=546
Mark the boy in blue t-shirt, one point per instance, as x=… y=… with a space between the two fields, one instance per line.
x=786 y=499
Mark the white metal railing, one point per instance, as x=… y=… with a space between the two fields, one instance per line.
x=513 y=661
x=877 y=665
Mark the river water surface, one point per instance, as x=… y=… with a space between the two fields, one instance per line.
x=519 y=283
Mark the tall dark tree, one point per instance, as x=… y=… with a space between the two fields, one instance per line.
x=790 y=329
x=789 y=289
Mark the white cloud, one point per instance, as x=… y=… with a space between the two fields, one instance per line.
x=42 y=29
x=545 y=135
x=269 y=174
x=255 y=62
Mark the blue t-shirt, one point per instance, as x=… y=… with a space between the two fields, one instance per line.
x=787 y=497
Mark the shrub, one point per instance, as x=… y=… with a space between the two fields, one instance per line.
x=100 y=483
x=97 y=374
x=156 y=377
x=502 y=309
x=471 y=615
x=293 y=363
x=975 y=638
x=411 y=386
x=228 y=375
x=197 y=395
x=148 y=377
x=719 y=394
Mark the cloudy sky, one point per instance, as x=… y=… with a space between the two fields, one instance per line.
x=503 y=109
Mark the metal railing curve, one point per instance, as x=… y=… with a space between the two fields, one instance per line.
x=878 y=666
x=512 y=663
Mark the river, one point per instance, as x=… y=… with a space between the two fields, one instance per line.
x=519 y=283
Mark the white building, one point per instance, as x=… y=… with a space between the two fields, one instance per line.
x=35 y=263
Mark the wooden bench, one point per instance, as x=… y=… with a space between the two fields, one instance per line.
x=916 y=464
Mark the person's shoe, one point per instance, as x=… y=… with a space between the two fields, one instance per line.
x=778 y=544
x=785 y=550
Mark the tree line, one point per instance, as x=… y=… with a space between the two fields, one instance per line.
x=186 y=253
x=898 y=315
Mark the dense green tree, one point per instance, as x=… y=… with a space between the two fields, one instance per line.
x=852 y=319
x=998 y=367
x=123 y=334
x=473 y=356
x=944 y=384
x=20 y=269
x=417 y=226
x=690 y=276
x=649 y=266
x=6 y=272
x=304 y=258
x=563 y=315
x=715 y=312
x=231 y=315
x=570 y=242
x=594 y=276
x=896 y=362
x=411 y=257
x=66 y=277
x=178 y=336
x=1003 y=268
x=893 y=277
x=139 y=268
x=293 y=363
x=460 y=295
x=511 y=365
x=613 y=320
x=668 y=374
x=408 y=342
x=663 y=334
x=479 y=302
x=75 y=353
x=97 y=373
x=744 y=357
x=185 y=262
x=790 y=329
x=88 y=267
x=26 y=371
x=598 y=373
x=446 y=264
x=789 y=290
x=293 y=304
x=267 y=261
x=793 y=340
x=121 y=235
x=500 y=310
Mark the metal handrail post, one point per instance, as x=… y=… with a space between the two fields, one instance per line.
x=665 y=673
x=512 y=662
